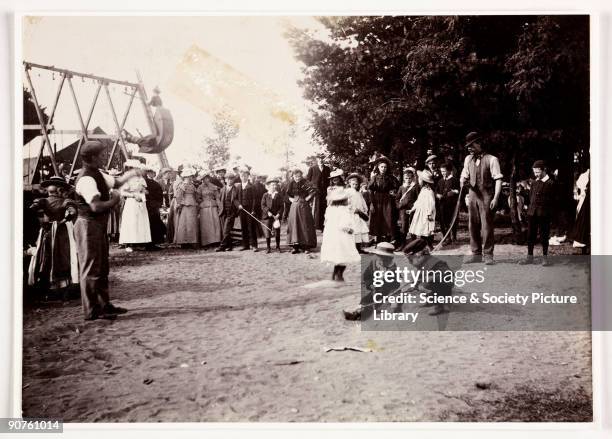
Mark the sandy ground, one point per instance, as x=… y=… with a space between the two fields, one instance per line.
x=236 y=337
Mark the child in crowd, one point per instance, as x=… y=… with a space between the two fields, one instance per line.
x=272 y=209
x=359 y=209
x=424 y=209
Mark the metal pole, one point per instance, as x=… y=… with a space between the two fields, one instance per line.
x=91 y=109
x=117 y=126
x=69 y=73
x=125 y=116
x=42 y=123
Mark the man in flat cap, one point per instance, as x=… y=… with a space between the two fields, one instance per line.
x=94 y=201
x=482 y=174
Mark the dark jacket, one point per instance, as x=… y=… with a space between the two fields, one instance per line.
x=542 y=198
x=248 y=196
x=155 y=196
x=230 y=200
x=275 y=206
x=319 y=179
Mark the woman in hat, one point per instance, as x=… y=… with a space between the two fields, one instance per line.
x=405 y=198
x=134 y=227
x=272 y=207
x=54 y=262
x=186 y=233
x=210 y=225
x=424 y=209
x=382 y=188
x=359 y=210
x=301 y=234
x=338 y=246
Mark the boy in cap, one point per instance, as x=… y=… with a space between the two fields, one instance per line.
x=272 y=207
x=540 y=211
x=94 y=200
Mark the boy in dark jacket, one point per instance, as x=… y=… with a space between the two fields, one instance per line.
x=272 y=207
x=539 y=213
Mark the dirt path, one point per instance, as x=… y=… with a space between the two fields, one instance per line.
x=236 y=337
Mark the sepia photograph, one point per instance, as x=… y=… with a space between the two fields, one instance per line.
x=212 y=208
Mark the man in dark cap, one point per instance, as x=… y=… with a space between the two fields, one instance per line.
x=482 y=174
x=94 y=201
x=540 y=212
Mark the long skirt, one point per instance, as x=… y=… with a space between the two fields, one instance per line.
x=54 y=264
x=381 y=214
x=171 y=223
x=134 y=227
x=581 y=231
x=187 y=225
x=338 y=246
x=210 y=226
x=300 y=225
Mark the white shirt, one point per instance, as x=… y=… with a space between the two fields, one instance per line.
x=87 y=188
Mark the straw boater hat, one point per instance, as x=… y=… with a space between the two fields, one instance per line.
x=426 y=176
x=188 y=172
x=383 y=249
x=56 y=180
x=336 y=173
x=431 y=158
x=471 y=138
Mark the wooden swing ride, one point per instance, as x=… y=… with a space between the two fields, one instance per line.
x=161 y=125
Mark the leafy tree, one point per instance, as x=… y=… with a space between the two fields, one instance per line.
x=217 y=146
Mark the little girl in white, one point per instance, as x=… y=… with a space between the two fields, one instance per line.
x=424 y=208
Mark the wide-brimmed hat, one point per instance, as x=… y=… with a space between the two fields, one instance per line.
x=188 y=172
x=471 y=138
x=426 y=176
x=415 y=246
x=431 y=158
x=336 y=173
x=383 y=249
x=355 y=175
x=133 y=163
x=384 y=159
x=337 y=193
x=56 y=180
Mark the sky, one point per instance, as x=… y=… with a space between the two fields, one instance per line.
x=201 y=64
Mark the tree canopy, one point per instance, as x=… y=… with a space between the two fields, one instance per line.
x=402 y=85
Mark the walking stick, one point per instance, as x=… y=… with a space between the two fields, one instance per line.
x=450 y=228
x=262 y=224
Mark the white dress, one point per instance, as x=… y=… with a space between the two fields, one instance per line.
x=135 y=227
x=424 y=205
x=360 y=227
x=338 y=246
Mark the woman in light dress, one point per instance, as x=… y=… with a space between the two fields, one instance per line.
x=134 y=228
x=187 y=227
x=210 y=225
x=338 y=246
x=359 y=209
x=424 y=209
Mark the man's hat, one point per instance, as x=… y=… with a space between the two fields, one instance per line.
x=92 y=147
x=383 y=249
x=540 y=164
x=220 y=170
x=273 y=180
x=56 y=180
x=471 y=138
x=431 y=158
x=415 y=246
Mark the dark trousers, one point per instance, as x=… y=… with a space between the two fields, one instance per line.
x=228 y=224
x=249 y=230
x=92 y=250
x=447 y=209
x=482 y=239
x=535 y=222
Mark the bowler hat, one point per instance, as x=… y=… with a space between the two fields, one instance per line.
x=471 y=138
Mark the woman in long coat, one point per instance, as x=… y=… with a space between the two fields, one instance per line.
x=382 y=189
x=301 y=234
x=406 y=196
x=187 y=226
x=210 y=225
